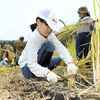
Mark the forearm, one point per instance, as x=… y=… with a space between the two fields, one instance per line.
x=38 y=70
x=63 y=52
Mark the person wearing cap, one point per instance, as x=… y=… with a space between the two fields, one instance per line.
x=36 y=58
x=83 y=38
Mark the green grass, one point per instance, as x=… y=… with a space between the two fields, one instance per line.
x=4 y=69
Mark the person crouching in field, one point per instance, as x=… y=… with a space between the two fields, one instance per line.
x=36 y=58
x=83 y=37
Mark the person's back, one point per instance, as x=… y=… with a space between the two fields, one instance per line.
x=19 y=46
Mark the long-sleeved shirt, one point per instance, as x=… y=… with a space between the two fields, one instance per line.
x=29 y=54
x=86 y=24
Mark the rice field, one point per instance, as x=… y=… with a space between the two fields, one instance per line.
x=89 y=68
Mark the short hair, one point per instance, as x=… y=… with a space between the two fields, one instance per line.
x=21 y=38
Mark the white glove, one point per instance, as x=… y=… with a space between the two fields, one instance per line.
x=52 y=77
x=72 y=69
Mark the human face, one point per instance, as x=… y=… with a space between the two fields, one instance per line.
x=43 y=28
x=81 y=14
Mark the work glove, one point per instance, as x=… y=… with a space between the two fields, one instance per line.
x=72 y=69
x=52 y=77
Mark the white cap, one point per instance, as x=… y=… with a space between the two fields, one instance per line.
x=51 y=19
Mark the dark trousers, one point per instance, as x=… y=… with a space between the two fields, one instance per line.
x=82 y=44
x=44 y=59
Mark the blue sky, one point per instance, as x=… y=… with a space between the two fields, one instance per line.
x=17 y=15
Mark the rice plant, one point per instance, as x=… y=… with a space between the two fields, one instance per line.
x=96 y=43
x=93 y=57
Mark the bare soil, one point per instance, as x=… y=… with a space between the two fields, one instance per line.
x=13 y=86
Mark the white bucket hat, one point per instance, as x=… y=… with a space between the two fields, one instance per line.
x=51 y=19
